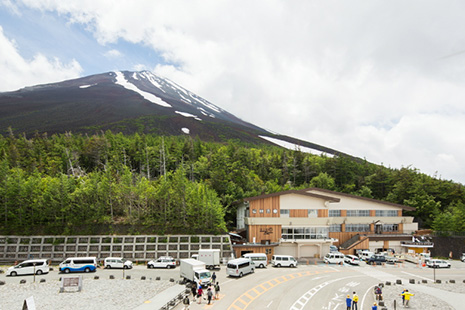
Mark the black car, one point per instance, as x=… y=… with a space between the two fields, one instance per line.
x=377 y=259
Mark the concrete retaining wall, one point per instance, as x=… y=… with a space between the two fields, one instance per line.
x=136 y=248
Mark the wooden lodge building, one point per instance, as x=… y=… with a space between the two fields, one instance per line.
x=304 y=223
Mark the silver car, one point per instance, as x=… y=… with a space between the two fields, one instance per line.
x=352 y=260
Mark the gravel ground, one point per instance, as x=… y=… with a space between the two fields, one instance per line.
x=421 y=300
x=96 y=294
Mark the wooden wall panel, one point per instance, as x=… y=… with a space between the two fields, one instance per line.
x=343 y=213
x=298 y=213
x=372 y=212
x=264 y=207
x=264 y=232
x=323 y=213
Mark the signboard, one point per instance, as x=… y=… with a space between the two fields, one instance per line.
x=29 y=304
x=71 y=282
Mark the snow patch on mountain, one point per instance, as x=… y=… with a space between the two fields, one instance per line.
x=295 y=147
x=152 y=79
x=121 y=80
x=188 y=115
x=185 y=130
x=87 y=86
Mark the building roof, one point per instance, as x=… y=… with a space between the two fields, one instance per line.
x=298 y=192
x=326 y=196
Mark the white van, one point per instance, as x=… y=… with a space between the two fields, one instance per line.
x=260 y=259
x=37 y=266
x=239 y=267
x=365 y=255
x=117 y=262
x=78 y=264
x=283 y=261
x=334 y=258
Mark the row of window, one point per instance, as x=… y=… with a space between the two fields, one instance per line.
x=322 y=232
x=333 y=213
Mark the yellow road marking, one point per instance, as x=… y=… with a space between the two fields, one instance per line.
x=278 y=280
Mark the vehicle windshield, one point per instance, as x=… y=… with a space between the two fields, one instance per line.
x=204 y=275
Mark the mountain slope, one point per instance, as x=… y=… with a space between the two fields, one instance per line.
x=127 y=102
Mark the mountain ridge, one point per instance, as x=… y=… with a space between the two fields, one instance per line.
x=129 y=102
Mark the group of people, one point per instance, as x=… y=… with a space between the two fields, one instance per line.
x=352 y=303
x=198 y=293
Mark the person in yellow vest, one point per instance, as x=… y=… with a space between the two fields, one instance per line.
x=407 y=296
x=354 y=301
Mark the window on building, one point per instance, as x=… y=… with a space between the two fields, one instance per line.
x=390 y=227
x=254 y=211
x=335 y=228
x=386 y=212
x=312 y=213
x=284 y=212
x=358 y=212
x=334 y=213
x=261 y=211
x=302 y=233
x=357 y=227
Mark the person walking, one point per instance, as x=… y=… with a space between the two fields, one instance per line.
x=213 y=277
x=194 y=291
x=209 y=295
x=199 y=294
x=186 y=302
x=217 y=290
x=403 y=297
x=354 y=301
x=379 y=293
x=407 y=296
x=348 y=302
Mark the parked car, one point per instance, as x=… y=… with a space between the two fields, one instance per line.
x=283 y=261
x=32 y=266
x=352 y=260
x=333 y=248
x=376 y=259
x=78 y=264
x=117 y=262
x=437 y=263
x=334 y=258
x=162 y=262
x=463 y=257
x=365 y=255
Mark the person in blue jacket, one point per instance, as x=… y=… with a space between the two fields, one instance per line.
x=348 y=302
x=375 y=307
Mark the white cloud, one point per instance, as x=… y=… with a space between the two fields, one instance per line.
x=113 y=54
x=18 y=72
x=380 y=80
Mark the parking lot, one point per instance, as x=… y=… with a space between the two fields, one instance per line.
x=309 y=286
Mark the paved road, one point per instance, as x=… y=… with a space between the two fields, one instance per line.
x=321 y=286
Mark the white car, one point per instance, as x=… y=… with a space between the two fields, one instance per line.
x=117 y=262
x=352 y=260
x=437 y=263
x=32 y=266
x=163 y=262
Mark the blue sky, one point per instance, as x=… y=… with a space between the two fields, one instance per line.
x=378 y=80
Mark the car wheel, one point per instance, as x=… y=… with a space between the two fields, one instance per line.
x=261 y=266
x=66 y=270
x=168 y=266
x=291 y=265
x=13 y=274
x=108 y=267
x=125 y=267
x=278 y=265
x=39 y=272
x=253 y=270
x=87 y=269
x=240 y=275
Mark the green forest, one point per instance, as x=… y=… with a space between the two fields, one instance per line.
x=147 y=184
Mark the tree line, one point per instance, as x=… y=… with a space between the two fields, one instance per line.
x=141 y=183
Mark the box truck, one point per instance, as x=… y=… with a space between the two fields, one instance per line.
x=211 y=257
x=193 y=270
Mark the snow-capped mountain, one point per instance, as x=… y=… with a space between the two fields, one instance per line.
x=129 y=102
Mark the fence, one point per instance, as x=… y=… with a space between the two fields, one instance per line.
x=138 y=248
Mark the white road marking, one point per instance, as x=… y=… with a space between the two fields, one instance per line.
x=365 y=295
x=298 y=305
x=269 y=304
